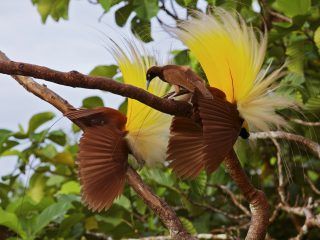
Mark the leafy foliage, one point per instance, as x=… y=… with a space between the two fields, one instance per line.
x=40 y=199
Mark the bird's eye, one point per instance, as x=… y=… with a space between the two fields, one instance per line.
x=148 y=76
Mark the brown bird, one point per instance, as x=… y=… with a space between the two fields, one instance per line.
x=103 y=152
x=179 y=77
x=205 y=139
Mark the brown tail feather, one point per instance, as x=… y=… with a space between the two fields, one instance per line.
x=185 y=149
x=221 y=127
x=102 y=165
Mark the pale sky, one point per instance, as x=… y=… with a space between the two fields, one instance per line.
x=76 y=44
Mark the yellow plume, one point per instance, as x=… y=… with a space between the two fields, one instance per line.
x=148 y=129
x=231 y=56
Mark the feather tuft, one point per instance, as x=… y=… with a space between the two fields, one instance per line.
x=231 y=54
x=148 y=129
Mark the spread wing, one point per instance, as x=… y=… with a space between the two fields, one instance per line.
x=186 y=148
x=102 y=165
x=221 y=126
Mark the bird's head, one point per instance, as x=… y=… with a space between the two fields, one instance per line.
x=152 y=72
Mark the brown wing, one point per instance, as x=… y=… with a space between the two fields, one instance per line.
x=97 y=116
x=186 y=148
x=176 y=76
x=83 y=113
x=198 y=83
x=102 y=165
x=221 y=126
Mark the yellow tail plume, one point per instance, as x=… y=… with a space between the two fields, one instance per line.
x=148 y=129
x=231 y=56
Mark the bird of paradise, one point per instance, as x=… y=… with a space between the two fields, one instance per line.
x=110 y=136
x=231 y=55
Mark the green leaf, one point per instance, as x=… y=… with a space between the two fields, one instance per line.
x=313 y=175
x=70 y=187
x=49 y=214
x=186 y=3
x=293 y=8
x=48 y=152
x=188 y=226
x=7 y=145
x=92 y=102
x=142 y=29
x=122 y=14
x=58 y=136
x=123 y=106
x=10 y=220
x=36 y=190
x=65 y=158
x=199 y=184
x=104 y=71
x=313 y=104
x=316 y=38
x=124 y=202
x=106 y=4
x=146 y=9
x=56 y=8
x=181 y=57
x=38 y=120
x=296 y=57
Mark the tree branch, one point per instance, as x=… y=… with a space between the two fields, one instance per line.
x=160 y=208
x=76 y=79
x=258 y=202
x=305 y=123
x=313 y=146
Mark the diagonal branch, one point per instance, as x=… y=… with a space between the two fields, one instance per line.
x=76 y=79
x=160 y=207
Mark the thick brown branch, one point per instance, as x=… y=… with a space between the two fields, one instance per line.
x=76 y=79
x=161 y=208
x=313 y=146
x=258 y=202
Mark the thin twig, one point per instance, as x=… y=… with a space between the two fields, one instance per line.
x=305 y=123
x=281 y=184
x=313 y=146
x=234 y=200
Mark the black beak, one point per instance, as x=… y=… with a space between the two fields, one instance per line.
x=147 y=84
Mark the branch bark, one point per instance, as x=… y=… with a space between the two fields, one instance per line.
x=313 y=146
x=258 y=202
x=160 y=207
x=76 y=79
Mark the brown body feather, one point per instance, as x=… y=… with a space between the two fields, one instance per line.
x=102 y=157
x=203 y=141
x=180 y=76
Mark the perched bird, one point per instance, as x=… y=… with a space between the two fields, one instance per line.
x=244 y=96
x=179 y=76
x=110 y=136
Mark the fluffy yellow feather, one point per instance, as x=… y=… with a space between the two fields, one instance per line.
x=148 y=129
x=231 y=56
